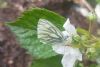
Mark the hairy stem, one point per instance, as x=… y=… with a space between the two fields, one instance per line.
x=86 y=61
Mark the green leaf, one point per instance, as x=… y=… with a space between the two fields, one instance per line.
x=25 y=29
x=98 y=1
x=83 y=31
x=50 y=62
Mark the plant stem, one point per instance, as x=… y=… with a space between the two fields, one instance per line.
x=85 y=63
x=90 y=27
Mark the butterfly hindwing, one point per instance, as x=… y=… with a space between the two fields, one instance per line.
x=48 y=33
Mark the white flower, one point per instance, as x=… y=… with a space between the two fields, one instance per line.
x=98 y=60
x=83 y=11
x=86 y=13
x=69 y=28
x=97 y=11
x=70 y=54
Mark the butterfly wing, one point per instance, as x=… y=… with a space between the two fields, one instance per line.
x=48 y=33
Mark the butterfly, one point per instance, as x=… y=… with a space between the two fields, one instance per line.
x=50 y=34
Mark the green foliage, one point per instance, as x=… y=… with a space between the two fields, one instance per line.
x=25 y=29
x=83 y=31
x=50 y=62
x=98 y=1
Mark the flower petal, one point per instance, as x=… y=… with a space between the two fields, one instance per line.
x=97 y=11
x=98 y=60
x=69 y=27
x=84 y=12
x=74 y=52
x=70 y=56
x=60 y=49
x=68 y=60
x=67 y=50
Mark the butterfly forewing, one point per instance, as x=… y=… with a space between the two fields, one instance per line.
x=48 y=33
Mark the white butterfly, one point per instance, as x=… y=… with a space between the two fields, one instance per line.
x=48 y=33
